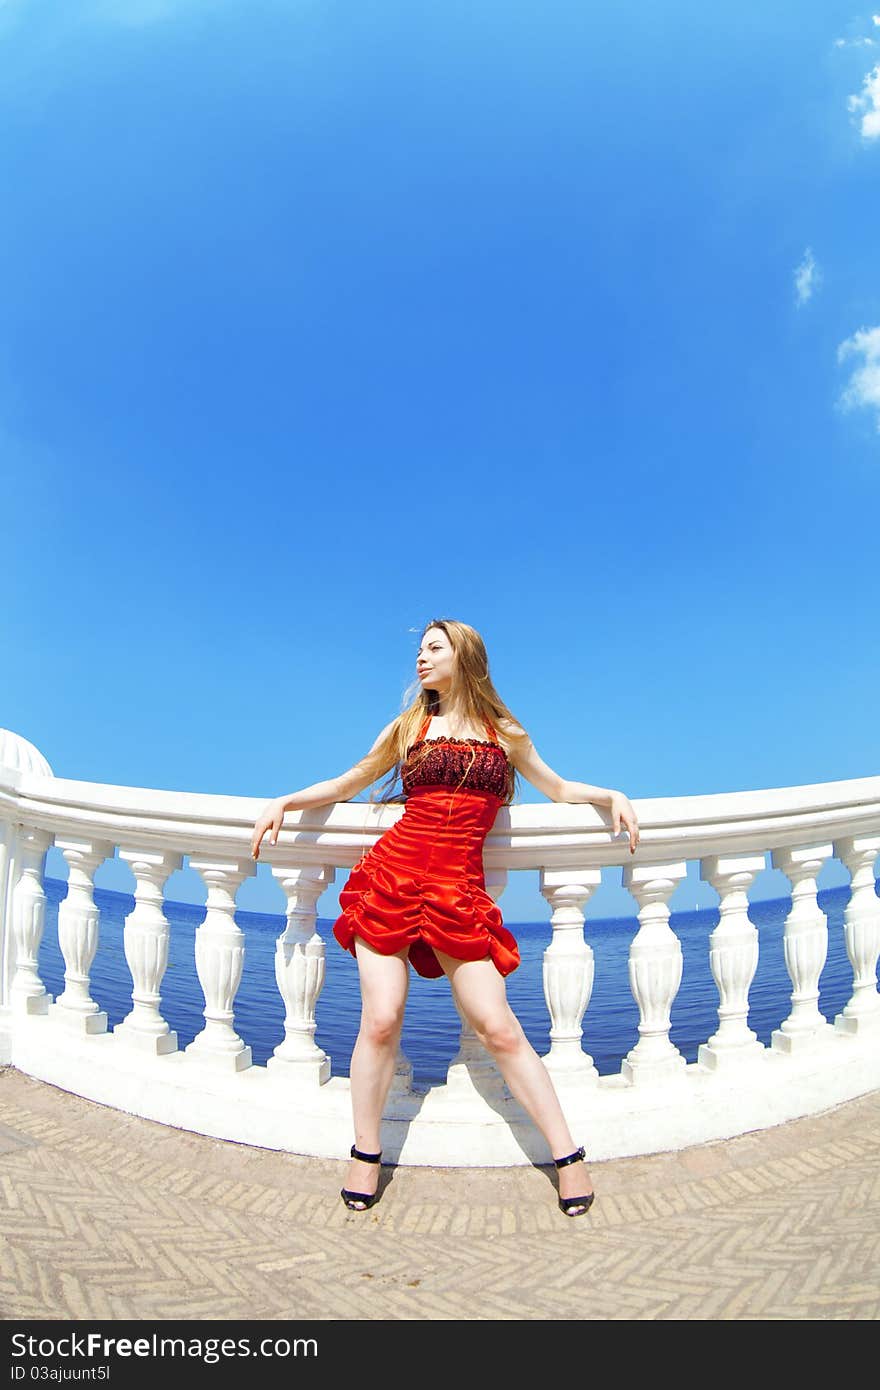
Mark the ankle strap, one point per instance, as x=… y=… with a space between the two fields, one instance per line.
x=570 y=1158
x=365 y=1158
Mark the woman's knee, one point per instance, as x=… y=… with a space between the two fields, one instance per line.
x=500 y=1031
x=384 y=984
x=381 y=1025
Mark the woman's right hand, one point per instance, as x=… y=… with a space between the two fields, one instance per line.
x=270 y=820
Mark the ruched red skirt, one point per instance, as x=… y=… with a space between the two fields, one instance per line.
x=422 y=886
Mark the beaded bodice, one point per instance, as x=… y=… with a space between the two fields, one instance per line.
x=467 y=764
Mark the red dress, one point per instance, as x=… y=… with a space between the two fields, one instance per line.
x=422 y=884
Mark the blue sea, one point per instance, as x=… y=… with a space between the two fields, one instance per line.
x=431 y=1027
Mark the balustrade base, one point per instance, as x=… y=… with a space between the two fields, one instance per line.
x=730 y=1058
x=636 y=1071
x=205 y=1057
x=446 y=1126
x=467 y=1080
x=33 y=1004
x=305 y=1071
x=77 y=1022
x=156 y=1044
x=851 y=1025
x=564 y=1072
x=789 y=1043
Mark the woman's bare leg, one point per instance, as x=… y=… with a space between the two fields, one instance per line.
x=384 y=984
x=480 y=992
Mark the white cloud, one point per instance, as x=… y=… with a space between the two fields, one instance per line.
x=863 y=388
x=807 y=278
x=867 y=102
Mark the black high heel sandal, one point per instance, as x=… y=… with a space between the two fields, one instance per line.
x=368 y=1198
x=566 y=1203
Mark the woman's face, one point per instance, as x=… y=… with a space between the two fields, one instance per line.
x=435 y=662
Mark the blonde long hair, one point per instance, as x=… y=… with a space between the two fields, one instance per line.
x=476 y=698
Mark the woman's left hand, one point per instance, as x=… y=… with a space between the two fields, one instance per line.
x=622 y=813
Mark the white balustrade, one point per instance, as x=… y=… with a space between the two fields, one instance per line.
x=219 y=963
x=655 y=1100
x=78 y=936
x=145 y=939
x=7 y=879
x=861 y=923
x=28 y=993
x=805 y=943
x=733 y=960
x=568 y=972
x=299 y=972
x=655 y=965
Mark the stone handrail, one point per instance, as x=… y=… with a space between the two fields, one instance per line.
x=656 y=1101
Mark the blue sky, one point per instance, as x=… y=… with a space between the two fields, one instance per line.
x=322 y=319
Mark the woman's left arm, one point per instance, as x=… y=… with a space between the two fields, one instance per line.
x=526 y=760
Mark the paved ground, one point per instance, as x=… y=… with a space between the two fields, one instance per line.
x=104 y=1215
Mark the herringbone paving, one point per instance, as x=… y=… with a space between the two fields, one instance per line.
x=107 y=1216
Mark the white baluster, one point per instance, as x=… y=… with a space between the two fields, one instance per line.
x=861 y=925
x=654 y=973
x=299 y=972
x=7 y=935
x=145 y=937
x=219 y=963
x=401 y=1081
x=805 y=943
x=472 y=1069
x=569 y=970
x=733 y=958
x=28 y=993
x=78 y=936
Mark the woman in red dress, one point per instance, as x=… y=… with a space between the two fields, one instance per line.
x=419 y=895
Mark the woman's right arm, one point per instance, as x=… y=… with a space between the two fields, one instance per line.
x=341 y=788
